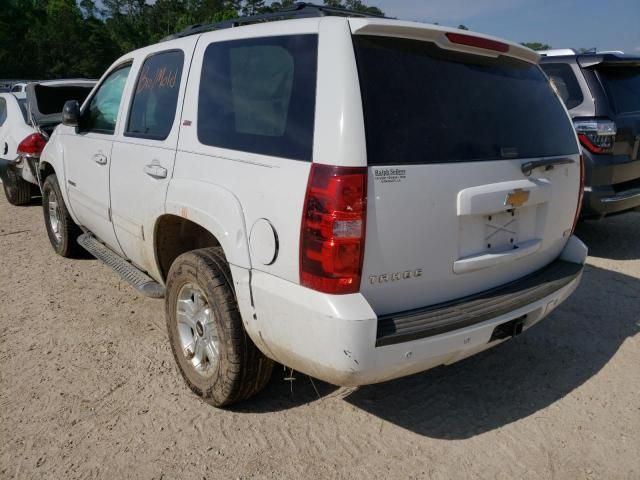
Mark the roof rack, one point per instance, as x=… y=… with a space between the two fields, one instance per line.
x=297 y=10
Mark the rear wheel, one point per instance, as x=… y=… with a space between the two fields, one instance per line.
x=16 y=189
x=215 y=355
x=61 y=229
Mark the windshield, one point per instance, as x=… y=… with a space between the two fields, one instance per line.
x=423 y=104
x=622 y=85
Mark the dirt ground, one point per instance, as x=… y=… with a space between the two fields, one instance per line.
x=88 y=388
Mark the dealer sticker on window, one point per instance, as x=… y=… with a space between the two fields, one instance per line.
x=390 y=175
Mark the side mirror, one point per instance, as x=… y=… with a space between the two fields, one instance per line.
x=71 y=113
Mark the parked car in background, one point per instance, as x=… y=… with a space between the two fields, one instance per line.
x=7 y=84
x=25 y=126
x=602 y=92
x=19 y=90
x=356 y=198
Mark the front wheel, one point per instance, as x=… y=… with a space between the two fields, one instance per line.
x=215 y=355
x=16 y=189
x=61 y=229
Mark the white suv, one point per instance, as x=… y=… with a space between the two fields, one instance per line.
x=356 y=198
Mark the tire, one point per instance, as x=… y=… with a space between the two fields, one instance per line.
x=201 y=281
x=16 y=189
x=63 y=238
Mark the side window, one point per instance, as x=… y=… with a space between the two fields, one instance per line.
x=258 y=95
x=16 y=89
x=3 y=111
x=153 y=108
x=102 y=112
x=565 y=82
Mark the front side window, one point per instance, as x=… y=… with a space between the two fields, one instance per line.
x=155 y=98
x=102 y=112
x=565 y=82
x=258 y=95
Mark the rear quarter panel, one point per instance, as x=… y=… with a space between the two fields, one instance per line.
x=227 y=191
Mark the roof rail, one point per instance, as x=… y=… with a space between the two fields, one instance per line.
x=297 y=10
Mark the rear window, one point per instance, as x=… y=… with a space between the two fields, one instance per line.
x=51 y=99
x=258 y=95
x=566 y=83
x=424 y=105
x=623 y=88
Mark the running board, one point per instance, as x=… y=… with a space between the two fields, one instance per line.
x=137 y=278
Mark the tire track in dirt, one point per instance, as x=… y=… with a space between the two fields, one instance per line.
x=88 y=388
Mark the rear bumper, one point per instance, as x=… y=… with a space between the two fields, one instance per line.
x=612 y=184
x=339 y=339
x=20 y=168
x=473 y=310
x=606 y=201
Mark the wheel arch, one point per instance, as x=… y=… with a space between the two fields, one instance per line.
x=46 y=169
x=200 y=215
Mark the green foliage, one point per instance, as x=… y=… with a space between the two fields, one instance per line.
x=41 y=39
x=357 y=5
x=536 y=45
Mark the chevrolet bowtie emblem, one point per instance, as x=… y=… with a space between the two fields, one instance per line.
x=517 y=198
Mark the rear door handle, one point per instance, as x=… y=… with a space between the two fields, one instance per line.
x=100 y=159
x=155 y=170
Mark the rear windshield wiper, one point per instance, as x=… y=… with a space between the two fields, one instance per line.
x=548 y=164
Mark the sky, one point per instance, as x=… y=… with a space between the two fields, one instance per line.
x=603 y=24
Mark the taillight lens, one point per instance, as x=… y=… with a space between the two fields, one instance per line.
x=333 y=229
x=478 y=42
x=580 y=195
x=32 y=146
x=596 y=135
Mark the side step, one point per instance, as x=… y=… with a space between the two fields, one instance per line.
x=137 y=278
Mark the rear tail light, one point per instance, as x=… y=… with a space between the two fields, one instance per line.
x=580 y=195
x=333 y=229
x=595 y=135
x=472 y=41
x=32 y=146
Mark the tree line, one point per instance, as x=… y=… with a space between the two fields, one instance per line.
x=42 y=39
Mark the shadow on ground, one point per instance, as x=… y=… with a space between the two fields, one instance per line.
x=510 y=382
x=615 y=238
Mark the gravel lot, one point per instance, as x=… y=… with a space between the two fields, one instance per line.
x=88 y=388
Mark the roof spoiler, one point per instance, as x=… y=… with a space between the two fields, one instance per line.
x=445 y=37
x=557 y=52
x=608 y=60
